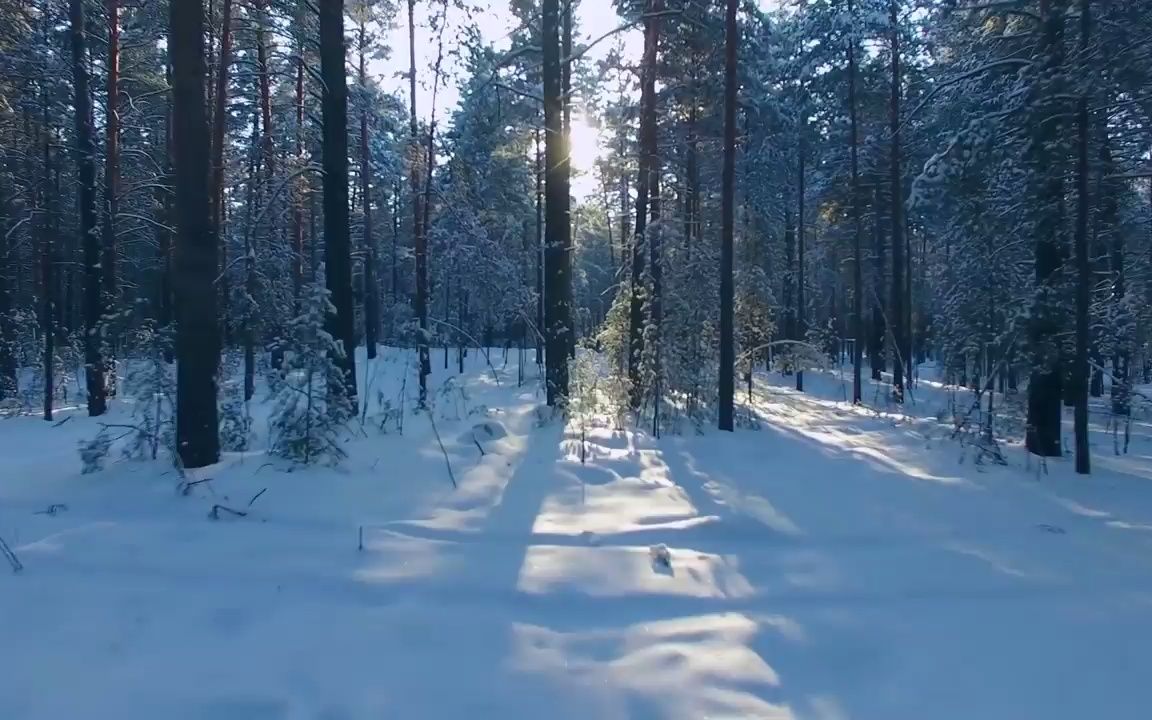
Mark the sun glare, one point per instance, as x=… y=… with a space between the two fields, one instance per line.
x=585 y=139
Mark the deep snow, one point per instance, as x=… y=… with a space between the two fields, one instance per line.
x=835 y=563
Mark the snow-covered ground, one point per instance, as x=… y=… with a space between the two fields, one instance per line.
x=836 y=563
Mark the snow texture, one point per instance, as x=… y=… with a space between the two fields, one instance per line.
x=837 y=563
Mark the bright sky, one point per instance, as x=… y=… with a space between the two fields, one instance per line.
x=594 y=18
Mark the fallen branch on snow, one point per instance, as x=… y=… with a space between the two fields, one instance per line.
x=217 y=509
x=14 y=561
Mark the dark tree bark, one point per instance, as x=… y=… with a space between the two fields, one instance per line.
x=647 y=156
x=900 y=349
x=218 y=71
x=108 y=259
x=540 y=340
x=300 y=185
x=163 y=200
x=220 y=117
x=879 y=327
x=801 y=190
x=1045 y=384
x=337 y=237
x=1107 y=217
x=419 y=241
x=7 y=326
x=727 y=225
x=789 y=278
x=656 y=273
x=566 y=258
x=557 y=226
x=47 y=277
x=1080 y=371
x=86 y=177
x=197 y=334
x=252 y=205
x=857 y=231
x=371 y=296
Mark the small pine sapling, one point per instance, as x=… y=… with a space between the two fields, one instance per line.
x=310 y=411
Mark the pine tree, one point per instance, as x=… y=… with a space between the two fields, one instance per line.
x=197 y=334
x=311 y=408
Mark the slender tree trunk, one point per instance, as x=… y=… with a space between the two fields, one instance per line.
x=300 y=186
x=252 y=206
x=540 y=340
x=267 y=147
x=419 y=241
x=656 y=273
x=1110 y=191
x=47 y=274
x=789 y=277
x=219 y=130
x=644 y=177
x=164 y=198
x=397 y=194
x=86 y=177
x=108 y=261
x=337 y=236
x=691 y=154
x=197 y=338
x=557 y=226
x=371 y=298
x=1046 y=379
x=1080 y=369
x=857 y=253
x=801 y=307
x=220 y=116
x=900 y=349
x=727 y=224
x=879 y=262
x=8 y=386
x=568 y=319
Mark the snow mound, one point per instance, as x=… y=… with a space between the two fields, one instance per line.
x=661 y=555
x=484 y=434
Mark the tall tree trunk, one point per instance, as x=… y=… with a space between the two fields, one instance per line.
x=7 y=324
x=397 y=207
x=1046 y=379
x=656 y=273
x=727 y=225
x=566 y=259
x=857 y=253
x=540 y=340
x=556 y=220
x=164 y=312
x=900 y=349
x=644 y=176
x=789 y=278
x=879 y=328
x=252 y=206
x=300 y=185
x=801 y=190
x=371 y=297
x=86 y=177
x=197 y=335
x=47 y=274
x=267 y=147
x=220 y=116
x=1107 y=217
x=219 y=130
x=337 y=237
x=419 y=241
x=111 y=187
x=1080 y=370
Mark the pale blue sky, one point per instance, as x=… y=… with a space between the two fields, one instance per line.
x=595 y=17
